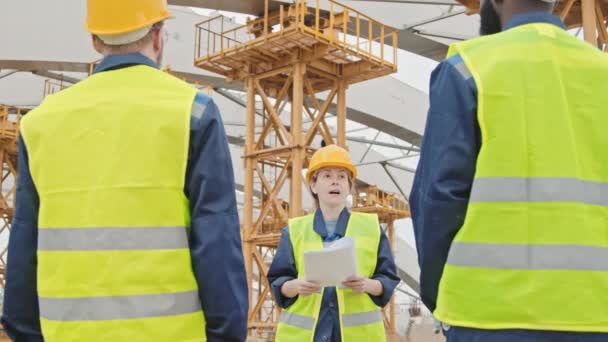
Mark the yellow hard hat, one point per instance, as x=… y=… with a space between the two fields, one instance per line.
x=328 y=156
x=122 y=16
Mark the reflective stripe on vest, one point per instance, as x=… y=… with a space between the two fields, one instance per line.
x=539 y=189
x=108 y=157
x=360 y=317
x=99 y=239
x=533 y=250
x=300 y=321
x=119 y=307
x=348 y=320
x=529 y=257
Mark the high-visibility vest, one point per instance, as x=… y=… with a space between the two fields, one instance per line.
x=108 y=157
x=533 y=250
x=360 y=318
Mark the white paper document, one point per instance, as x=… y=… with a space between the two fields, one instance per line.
x=332 y=265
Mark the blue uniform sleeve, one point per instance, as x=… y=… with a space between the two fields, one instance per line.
x=445 y=172
x=282 y=269
x=20 y=315
x=215 y=239
x=386 y=271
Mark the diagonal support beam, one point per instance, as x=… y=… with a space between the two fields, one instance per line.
x=601 y=25
x=266 y=186
x=326 y=135
x=280 y=99
x=390 y=175
x=272 y=113
x=262 y=296
x=326 y=132
x=567 y=9
x=278 y=185
x=320 y=116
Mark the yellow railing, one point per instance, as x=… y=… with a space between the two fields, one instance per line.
x=219 y=37
x=52 y=87
x=10 y=118
x=345 y=28
x=348 y=28
x=372 y=197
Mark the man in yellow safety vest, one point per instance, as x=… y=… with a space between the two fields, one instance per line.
x=126 y=225
x=510 y=199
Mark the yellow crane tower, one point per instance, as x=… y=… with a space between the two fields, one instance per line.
x=285 y=58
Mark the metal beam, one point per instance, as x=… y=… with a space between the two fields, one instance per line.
x=384 y=144
x=55 y=76
x=401 y=167
x=8 y=73
x=241 y=188
x=369 y=147
x=432 y=20
x=408 y=280
x=416 y=2
x=443 y=35
x=372 y=120
x=355 y=130
x=253 y=7
x=390 y=175
x=398 y=288
x=234 y=99
x=382 y=161
x=236 y=140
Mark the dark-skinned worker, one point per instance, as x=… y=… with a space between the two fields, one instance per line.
x=510 y=199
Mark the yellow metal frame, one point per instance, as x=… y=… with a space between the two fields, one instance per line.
x=10 y=117
x=341 y=28
x=288 y=57
x=53 y=86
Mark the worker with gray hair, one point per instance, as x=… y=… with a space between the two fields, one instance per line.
x=510 y=198
x=126 y=225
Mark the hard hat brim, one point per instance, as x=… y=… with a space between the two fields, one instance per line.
x=123 y=30
x=349 y=167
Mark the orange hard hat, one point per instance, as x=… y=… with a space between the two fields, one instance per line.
x=330 y=156
x=109 y=17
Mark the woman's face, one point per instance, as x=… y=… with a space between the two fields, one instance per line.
x=332 y=186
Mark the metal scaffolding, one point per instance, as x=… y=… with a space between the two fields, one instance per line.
x=9 y=132
x=288 y=56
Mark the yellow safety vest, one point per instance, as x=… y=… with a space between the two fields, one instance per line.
x=108 y=158
x=360 y=318
x=533 y=250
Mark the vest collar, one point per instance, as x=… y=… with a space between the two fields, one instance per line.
x=319 y=223
x=118 y=61
x=534 y=18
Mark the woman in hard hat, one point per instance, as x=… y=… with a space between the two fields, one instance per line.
x=351 y=312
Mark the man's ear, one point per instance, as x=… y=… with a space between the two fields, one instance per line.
x=96 y=45
x=157 y=39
